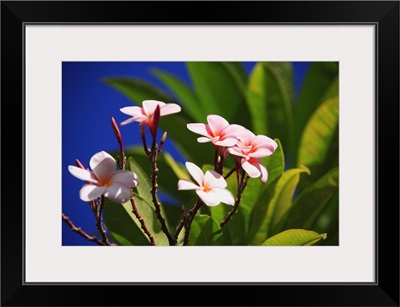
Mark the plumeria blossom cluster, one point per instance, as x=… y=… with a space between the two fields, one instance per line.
x=108 y=178
x=238 y=141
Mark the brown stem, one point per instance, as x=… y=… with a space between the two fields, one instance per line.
x=142 y=223
x=80 y=231
x=232 y=171
x=241 y=188
x=189 y=219
x=99 y=224
x=156 y=202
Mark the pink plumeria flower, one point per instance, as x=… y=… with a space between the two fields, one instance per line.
x=105 y=179
x=145 y=115
x=252 y=148
x=218 y=131
x=211 y=186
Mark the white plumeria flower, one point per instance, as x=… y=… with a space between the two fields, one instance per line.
x=145 y=115
x=211 y=186
x=105 y=179
x=251 y=148
x=218 y=131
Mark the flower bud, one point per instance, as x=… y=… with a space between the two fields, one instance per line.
x=79 y=164
x=116 y=131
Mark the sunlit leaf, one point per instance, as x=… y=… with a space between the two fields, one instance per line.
x=320 y=83
x=295 y=237
x=319 y=143
x=312 y=201
x=273 y=204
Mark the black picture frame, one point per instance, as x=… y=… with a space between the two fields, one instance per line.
x=383 y=14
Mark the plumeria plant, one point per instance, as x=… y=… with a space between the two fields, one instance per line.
x=234 y=188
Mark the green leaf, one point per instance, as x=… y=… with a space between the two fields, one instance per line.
x=120 y=221
x=269 y=98
x=275 y=164
x=319 y=143
x=218 y=87
x=332 y=91
x=175 y=124
x=320 y=83
x=312 y=202
x=273 y=204
x=144 y=186
x=204 y=231
x=184 y=94
x=234 y=232
x=167 y=178
x=295 y=237
x=179 y=170
x=136 y=90
x=328 y=221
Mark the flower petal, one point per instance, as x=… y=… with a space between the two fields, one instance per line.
x=203 y=139
x=226 y=142
x=236 y=151
x=265 y=142
x=82 y=174
x=214 y=180
x=247 y=137
x=103 y=165
x=131 y=120
x=90 y=192
x=132 y=111
x=187 y=185
x=216 y=123
x=169 y=108
x=128 y=178
x=210 y=198
x=199 y=129
x=149 y=106
x=264 y=173
x=225 y=196
x=118 y=192
x=260 y=153
x=252 y=170
x=234 y=130
x=195 y=172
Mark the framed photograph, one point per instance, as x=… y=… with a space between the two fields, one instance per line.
x=246 y=152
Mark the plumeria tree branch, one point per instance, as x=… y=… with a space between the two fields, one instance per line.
x=80 y=231
x=150 y=115
x=122 y=166
x=189 y=219
x=142 y=222
x=241 y=188
x=210 y=189
x=99 y=224
x=154 y=196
